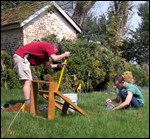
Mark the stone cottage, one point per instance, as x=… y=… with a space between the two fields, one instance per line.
x=25 y=24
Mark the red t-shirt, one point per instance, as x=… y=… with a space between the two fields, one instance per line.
x=39 y=52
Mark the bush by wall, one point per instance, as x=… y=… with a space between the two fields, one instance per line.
x=94 y=65
x=8 y=75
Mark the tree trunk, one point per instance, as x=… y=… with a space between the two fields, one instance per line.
x=123 y=16
x=118 y=18
x=81 y=10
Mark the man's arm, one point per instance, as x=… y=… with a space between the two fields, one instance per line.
x=116 y=100
x=126 y=102
x=59 y=57
x=48 y=65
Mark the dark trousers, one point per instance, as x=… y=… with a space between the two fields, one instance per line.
x=134 y=102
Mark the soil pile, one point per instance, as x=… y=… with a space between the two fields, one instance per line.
x=15 y=107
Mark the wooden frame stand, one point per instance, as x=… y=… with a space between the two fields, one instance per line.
x=49 y=94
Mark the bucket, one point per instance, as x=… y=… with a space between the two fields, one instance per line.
x=74 y=99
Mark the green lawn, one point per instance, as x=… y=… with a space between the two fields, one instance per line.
x=100 y=123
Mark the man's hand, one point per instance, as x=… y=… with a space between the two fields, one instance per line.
x=126 y=102
x=108 y=101
x=60 y=66
x=59 y=57
x=67 y=54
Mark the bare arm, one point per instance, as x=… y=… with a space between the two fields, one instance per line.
x=59 y=57
x=47 y=65
x=115 y=100
x=126 y=102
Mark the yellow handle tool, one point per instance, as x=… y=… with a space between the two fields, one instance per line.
x=22 y=108
x=61 y=74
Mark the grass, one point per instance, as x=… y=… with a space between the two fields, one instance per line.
x=100 y=123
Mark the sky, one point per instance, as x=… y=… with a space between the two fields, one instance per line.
x=100 y=8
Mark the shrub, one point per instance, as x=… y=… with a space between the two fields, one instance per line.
x=140 y=77
x=89 y=57
x=9 y=77
x=93 y=64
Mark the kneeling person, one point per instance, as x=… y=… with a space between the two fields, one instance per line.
x=128 y=93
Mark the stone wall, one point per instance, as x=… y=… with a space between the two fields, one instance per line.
x=11 y=40
x=49 y=23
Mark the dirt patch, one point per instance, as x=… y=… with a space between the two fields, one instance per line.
x=15 y=107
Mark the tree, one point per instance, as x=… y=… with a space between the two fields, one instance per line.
x=94 y=28
x=117 y=15
x=137 y=47
x=80 y=11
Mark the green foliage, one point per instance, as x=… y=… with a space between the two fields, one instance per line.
x=6 y=59
x=9 y=79
x=118 y=12
x=137 y=47
x=143 y=12
x=79 y=57
x=38 y=72
x=97 y=72
x=139 y=76
x=8 y=75
x=95 y=28
x=118 y=64
x=93 y=64
x=5 y=5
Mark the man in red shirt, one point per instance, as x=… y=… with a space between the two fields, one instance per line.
x=35 y=54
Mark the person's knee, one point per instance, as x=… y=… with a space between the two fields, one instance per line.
x=135 y=106
x=138 y=106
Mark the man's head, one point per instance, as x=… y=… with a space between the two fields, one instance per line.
x=119 y=81
x=58 y=48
